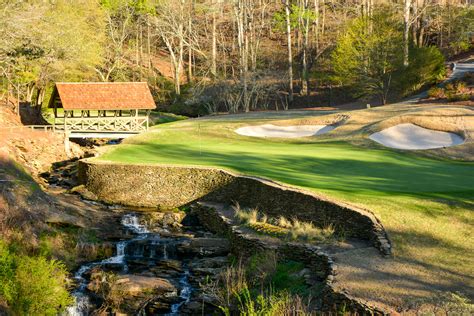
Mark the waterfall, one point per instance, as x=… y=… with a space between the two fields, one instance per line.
x=81 y=300
x=185 y=294
x=165 y=252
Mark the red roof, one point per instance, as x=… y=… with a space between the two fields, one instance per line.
x=104 y=96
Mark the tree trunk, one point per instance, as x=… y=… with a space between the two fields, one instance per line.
x=148 y=40
x=39 y=99
x=18 y=99
x=190 y=50
x=414 y=28
x=214 y=46
x=305 y=70
x=290 y=54
x=406 y=30
x=137 y=50
x=30 y=88
x=177 y=83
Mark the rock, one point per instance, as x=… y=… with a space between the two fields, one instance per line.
x=166 y=219
x=205 y=247
x=215 y=262
x=93 y=251
x=202 y=305
x=139 y=263
x=206 y=271
x=193 y=308
x=134 y=285
x=63 y=219
x=170 y=264
x=81 y=190
x=190 y=220
x=158 y=307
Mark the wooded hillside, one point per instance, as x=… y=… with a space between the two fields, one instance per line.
x=202 y=56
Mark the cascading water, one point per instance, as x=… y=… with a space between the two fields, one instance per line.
x=165 y=252
x=184 y=295
x=82 y=302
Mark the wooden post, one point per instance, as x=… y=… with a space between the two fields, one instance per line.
x=147 y=118
x=55 y=111
x=135 y=123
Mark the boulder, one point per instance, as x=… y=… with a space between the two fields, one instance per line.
x=129 y=285
x=166 y=219
x=135 y=285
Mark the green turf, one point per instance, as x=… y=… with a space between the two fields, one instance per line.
x=426 y=204
x=333 y=166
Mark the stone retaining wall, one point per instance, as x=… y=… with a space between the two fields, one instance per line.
x=168 y=187
x=317 y=261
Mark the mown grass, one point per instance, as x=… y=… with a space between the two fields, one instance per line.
x=425 y=204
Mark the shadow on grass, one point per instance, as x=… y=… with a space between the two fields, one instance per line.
x=407 y=276
x=384 y=173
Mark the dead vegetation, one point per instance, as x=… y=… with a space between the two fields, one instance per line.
x=281 y=227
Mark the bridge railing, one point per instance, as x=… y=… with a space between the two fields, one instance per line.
x=133 y=124
x=45 y=128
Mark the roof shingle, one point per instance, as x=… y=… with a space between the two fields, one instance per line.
x=105 y=96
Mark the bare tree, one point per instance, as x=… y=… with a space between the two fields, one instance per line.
x=118 y=30
x=406 y=30
x=290 y=54
x=172 y=25
x=249 y=20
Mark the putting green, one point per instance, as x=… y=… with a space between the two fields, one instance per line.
x=425 y=204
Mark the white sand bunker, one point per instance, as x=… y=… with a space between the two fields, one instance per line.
x=410 y=136
x=269 y=130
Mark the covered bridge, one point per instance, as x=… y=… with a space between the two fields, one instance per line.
x=101 y=109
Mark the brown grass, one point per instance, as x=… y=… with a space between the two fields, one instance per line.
x=281 y=227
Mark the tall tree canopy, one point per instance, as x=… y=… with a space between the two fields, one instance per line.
x=236 y=55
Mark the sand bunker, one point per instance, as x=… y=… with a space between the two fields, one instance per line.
x=413 y=137
x=269 y=130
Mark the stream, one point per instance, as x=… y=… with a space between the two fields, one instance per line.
x=152 y=255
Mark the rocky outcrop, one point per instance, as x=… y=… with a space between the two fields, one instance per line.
x=172 y=186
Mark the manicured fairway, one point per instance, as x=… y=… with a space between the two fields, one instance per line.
x=330 y=166
x=425 y=204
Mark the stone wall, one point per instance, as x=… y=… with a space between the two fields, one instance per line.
x=313 y=257
x=168 y=187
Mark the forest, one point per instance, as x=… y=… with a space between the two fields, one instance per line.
x=203 y=56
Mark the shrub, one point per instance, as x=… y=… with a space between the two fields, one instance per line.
x=7 y=273
x=280 y=303
x=426 y=67
x=32 y=285
x=461 y=87
x=287 y=277
x=436 y=93
x=468 y=78
x=458 y=97
x=457 y=91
